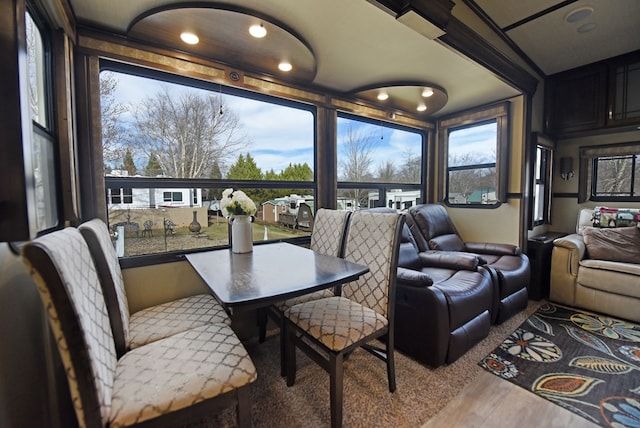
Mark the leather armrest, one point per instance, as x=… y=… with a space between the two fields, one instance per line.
x=571 y=242
x=492 y=248
x=413 y=278
x=450 y=260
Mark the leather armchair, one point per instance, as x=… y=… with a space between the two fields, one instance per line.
x=443 y=303
x=432 y=229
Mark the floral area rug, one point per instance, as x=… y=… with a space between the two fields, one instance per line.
x=584 y=362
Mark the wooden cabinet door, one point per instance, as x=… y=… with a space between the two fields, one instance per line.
x=576 y=100
x=624 y=91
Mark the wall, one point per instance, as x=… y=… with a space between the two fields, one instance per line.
x=502 y=224
x=564 y=212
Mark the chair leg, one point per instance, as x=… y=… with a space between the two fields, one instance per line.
x=290 y=353
x=336 y=377
x=244 y=408
x=391 y=366
x=283 y=350
x=262 y=324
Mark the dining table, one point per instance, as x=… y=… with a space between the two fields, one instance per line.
x=270 y=273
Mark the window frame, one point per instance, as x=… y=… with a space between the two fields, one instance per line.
x=588 y=170
x=383 y=187
x=40 y=139
x=501 y=113
x=545 y=172
x=203 y=183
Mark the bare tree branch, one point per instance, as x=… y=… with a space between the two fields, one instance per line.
x=187 y=134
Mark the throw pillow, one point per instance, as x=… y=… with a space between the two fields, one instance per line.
x=621 y=244
x=615 y=217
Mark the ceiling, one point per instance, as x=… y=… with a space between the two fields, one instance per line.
x=357 y=47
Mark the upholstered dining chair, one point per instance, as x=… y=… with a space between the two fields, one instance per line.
x=149 y=324
x=330 y=328
x=327 y=238
x=171 y=381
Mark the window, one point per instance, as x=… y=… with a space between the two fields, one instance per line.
x=120 y=195
x=43 y=144
x=378 y=162
x=176 y=143
x=612 y=173
x=616 y=176
x=476 y=144
x=172 y=197
x=472 y=164
x=542 y=180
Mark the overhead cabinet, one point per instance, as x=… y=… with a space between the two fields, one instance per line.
x=600 y=96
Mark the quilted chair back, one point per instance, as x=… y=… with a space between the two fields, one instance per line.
x=63 y=270
x=329 y=228
x=96 y=234
x=373 y=240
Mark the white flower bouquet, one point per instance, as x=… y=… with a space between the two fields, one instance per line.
x=236 y=202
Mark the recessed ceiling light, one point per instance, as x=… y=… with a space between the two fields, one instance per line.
x=578 y=14
x=427 y=92
x=189 y=38
x=258 y=31
x=421 y=107
x=383 y=96
x=285 y=66
x=585 y=28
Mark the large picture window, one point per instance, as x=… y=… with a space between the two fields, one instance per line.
x=171 y=145
x=610 y=173
x=616 y=176
x=379 y=165
x=476 y=156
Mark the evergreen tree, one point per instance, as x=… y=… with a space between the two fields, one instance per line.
x=246 y=168
x=128 y=164
x=153 y=168
x=215 y=173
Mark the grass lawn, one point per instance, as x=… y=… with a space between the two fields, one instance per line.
x=215 y=234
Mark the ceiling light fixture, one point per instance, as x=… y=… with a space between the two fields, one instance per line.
x=383 y=96
x=189 y=38
x=258 y=31
x=285 y=66
x=421 y=107
x=578 y=14
x=427 y=92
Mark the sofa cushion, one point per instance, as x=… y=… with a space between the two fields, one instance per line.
x=621 y=244
x=610 y=278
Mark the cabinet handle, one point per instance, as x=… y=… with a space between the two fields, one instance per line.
x=611 y=112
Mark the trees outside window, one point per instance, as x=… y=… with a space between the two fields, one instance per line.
x=175 y=144
x=378 y=161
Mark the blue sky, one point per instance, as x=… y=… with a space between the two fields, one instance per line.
x=278 y=135
x=477 y=140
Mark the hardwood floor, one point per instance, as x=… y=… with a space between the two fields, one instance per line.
x=491 y=402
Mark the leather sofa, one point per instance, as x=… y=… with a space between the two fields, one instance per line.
x=604 y=284
x=443 y=303
x=432 y=229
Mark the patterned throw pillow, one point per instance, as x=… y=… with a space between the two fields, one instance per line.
x=615 y=217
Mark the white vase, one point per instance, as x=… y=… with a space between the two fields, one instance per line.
x=241 y=233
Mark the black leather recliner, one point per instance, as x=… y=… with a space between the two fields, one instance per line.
x=432 y=229
x=443 y=303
